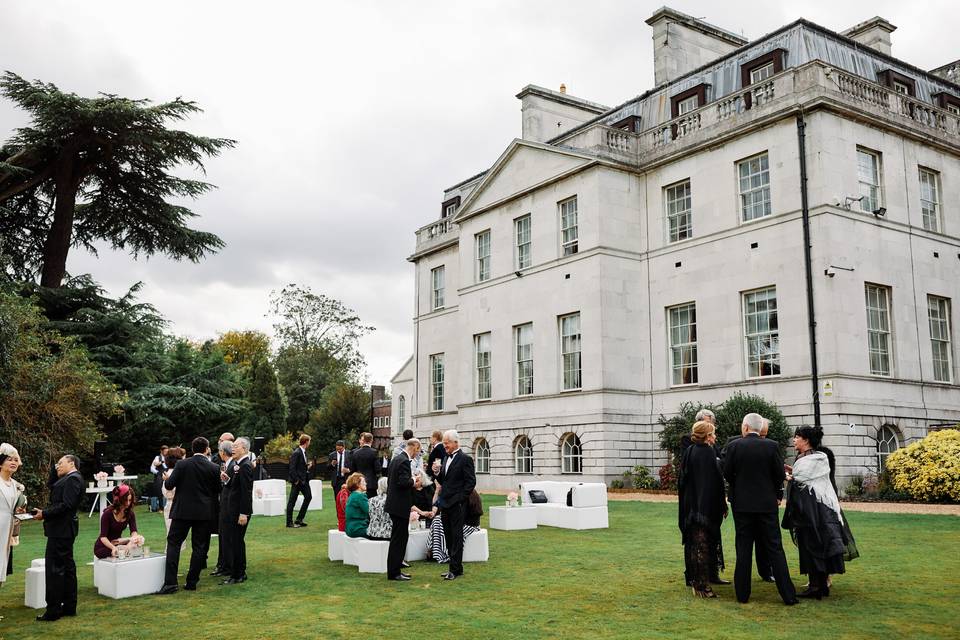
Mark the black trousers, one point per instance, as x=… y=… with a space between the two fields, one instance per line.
x=235 y=544
x=452 y=518
x=296 y=490
x=200 y=543
x=60 y=572
x=399 y=534
x=224 y=562
x=762 y=530
x=337 y=483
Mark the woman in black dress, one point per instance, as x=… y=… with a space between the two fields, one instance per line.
x=813 y=514
x=703 y=506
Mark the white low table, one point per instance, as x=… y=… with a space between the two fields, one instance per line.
x=130 y=577
x=513 y=518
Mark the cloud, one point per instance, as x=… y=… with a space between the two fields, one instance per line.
x=351 y=118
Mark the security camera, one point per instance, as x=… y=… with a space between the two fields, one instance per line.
x=519 y=274
x=882 y=211
x=829 y=272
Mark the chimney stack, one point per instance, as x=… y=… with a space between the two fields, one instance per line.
x=682 y=43
x=873 y=33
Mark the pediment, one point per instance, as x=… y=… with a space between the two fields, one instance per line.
x=523 y=166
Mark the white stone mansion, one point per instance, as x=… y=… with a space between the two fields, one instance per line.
x=616 y=262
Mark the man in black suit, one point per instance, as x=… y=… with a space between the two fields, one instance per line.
x=457 y=480
x=754 y=469
x=339 y=467
x=197 y=481
x=400 y=487
x=224 y=460
x=299 y=476
x=366 y=462
x=238 y=507
x=437 y=452
x=60 y=526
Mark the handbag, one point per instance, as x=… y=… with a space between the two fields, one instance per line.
x=537 y=496
x=15 y=533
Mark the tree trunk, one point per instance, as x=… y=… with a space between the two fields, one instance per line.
x=60 y=236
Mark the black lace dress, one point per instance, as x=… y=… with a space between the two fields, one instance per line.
x=702 y=505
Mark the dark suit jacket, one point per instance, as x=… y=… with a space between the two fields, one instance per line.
x=754 y=469
x=197 y=481
x=238 y=492
x=334 y=470
x=366 y=461
x=437 y=453
x=457 y=481
x=399 y=487
x=299 y=474
x=60 y=516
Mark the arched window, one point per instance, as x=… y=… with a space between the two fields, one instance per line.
x=401 y=411
x=888 y=441
x=523 y=455
x=481 y=456
x=571 y=454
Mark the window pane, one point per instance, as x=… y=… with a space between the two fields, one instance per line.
x=754 y=188
x=878 y=329
x=568 y=226
x=524 y=360
x=938 y=316
x=761 y=333
x=683 y=347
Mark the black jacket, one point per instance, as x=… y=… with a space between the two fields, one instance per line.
x=437 y=453
x=238 y=494
x=366 y=461
x=299 y=474
x=700 y=488
x=457 y=481
x=754 y=469
x=334 y=469
x=197 y=481
x=60 y=516
x=399 y=486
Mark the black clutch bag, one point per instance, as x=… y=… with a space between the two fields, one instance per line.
x=537 y=496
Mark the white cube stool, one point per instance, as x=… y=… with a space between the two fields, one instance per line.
x=372 y=556
x=316 y=500
x=133 y=577
x=351 y=550
x=417 y=546
x=38 y=562
x=513 y=518
x=476 y=548
x=35 y=588
x=335 y=539
x=269 y=506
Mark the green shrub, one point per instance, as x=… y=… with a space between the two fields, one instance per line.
x=668 y=476
x=928 y=469
x=280 y=447
x=855 y=488
x=616 y=484
x=642 y=478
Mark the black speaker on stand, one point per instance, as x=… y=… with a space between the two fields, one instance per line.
x=259 y=442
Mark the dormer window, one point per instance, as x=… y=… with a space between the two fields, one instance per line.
x=449 y=207
x=687 y=105
x=689 y=100
x=761 y=73
x=900 y=83
x=948 y=102
x=630 y=123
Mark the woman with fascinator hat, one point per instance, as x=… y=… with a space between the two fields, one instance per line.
x=12 y=501
x=813 y=515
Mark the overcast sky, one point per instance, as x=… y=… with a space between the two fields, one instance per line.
x=352 y=117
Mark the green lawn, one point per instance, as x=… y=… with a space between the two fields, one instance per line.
x=623 y=582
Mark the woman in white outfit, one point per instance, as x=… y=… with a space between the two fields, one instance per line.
x=12 y=500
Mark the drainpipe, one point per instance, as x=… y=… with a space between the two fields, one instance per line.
x=811 y=314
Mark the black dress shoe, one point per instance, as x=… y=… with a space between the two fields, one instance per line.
x=168 y=589
x=719 y=580
x=405 y=564
x=301 y=523
x=401 y=576
x=230 y=581
x=790 y=603
x=218 y=573
x=768 y=578
x=451 y=576
x=811 y=593
x=189 y=587
x=46 y=617
x=293 y=525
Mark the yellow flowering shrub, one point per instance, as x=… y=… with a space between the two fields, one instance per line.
x=928 y=469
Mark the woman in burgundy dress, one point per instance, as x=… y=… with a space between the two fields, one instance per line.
x=114 y=521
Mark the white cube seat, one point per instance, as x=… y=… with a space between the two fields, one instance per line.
x=372 y=555
x=335 y=539
x=316 y=497
x=128 y=578
x=417 y=545
x=351 y=550
x=35 y=588
x=269 y=506
x=38 y=562
x=476 y=547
